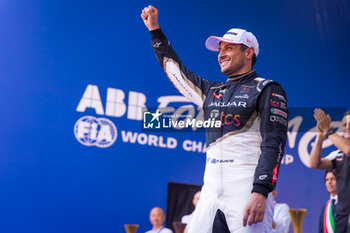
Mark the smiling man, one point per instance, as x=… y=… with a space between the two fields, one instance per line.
x=326 y=220
x=244 y=155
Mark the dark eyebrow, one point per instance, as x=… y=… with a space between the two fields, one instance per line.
x=228 y=45
x=225 y=45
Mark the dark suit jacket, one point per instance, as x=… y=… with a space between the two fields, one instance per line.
x=320 y=220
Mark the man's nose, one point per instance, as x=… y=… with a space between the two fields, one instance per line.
x=221 y=55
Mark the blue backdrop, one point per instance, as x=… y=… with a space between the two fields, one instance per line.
x=62 y=61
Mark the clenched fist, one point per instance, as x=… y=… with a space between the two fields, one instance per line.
x=150 y=17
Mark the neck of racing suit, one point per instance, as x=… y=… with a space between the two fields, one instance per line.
x=242 y=77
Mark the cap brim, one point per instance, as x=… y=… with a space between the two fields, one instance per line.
x=213 y=43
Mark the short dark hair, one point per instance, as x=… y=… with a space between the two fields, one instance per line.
x=328 y=171
x=346 y=113
x=243 y=48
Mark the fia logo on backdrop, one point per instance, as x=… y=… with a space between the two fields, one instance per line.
x=92 y=131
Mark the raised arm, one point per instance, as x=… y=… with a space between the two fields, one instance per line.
x=150 y=17
x=341 y=143
x=324 y=123
x=316 y=162
x=186 y=82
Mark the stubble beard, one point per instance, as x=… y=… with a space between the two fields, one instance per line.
x=233 y=68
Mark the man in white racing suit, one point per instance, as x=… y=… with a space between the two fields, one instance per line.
x=244 y=155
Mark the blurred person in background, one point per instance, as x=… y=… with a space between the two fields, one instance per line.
x=157 y=218
x=326 y=220
x=339 y=160
x=187 y=218
x=281 y=217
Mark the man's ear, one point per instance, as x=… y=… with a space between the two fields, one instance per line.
x=250 y=53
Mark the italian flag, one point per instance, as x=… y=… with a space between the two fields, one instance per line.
x=328 y=221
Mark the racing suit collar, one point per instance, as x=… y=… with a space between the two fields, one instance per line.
x=242 y=77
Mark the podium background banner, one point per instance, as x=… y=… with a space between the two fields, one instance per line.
x=74 y=76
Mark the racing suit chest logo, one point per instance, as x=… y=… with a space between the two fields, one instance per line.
x=217 y=96
x=235 y=110
x=222 y=98
x=228 y=104
x=232 y=107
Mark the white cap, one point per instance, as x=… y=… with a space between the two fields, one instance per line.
x=234 y=36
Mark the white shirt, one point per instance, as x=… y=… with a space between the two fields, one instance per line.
x=187 y=219
x=160 y=230
x=336 y=199
x=282 y=218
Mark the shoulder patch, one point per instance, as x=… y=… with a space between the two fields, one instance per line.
x=334 y=155
x=262 y=83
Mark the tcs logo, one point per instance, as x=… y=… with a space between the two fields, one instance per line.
x=274 y=103
x=229 y=119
